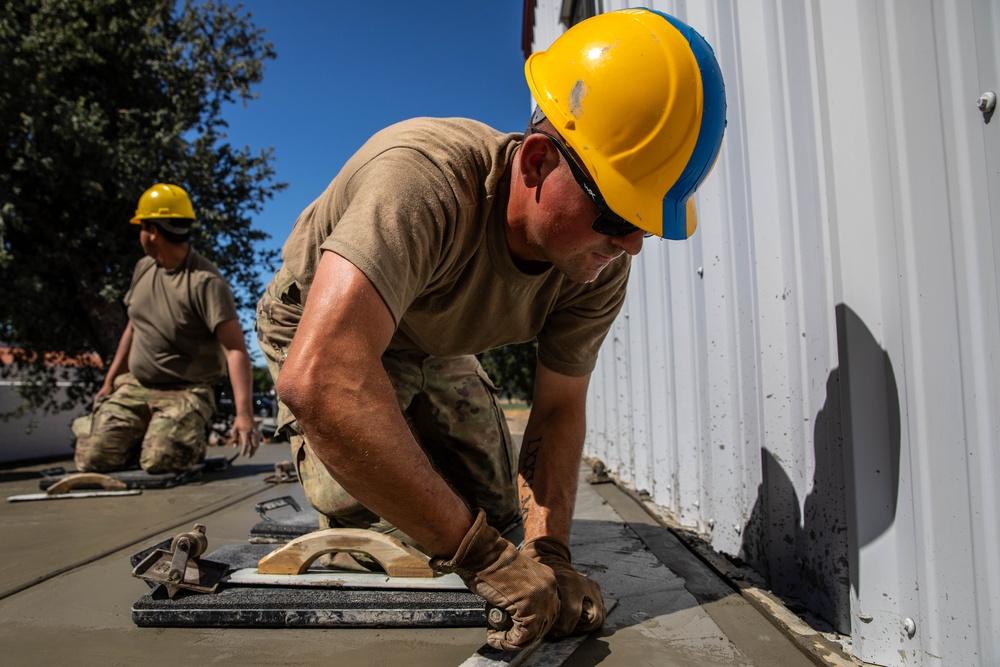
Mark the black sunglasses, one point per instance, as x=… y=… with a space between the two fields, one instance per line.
x=607 y=222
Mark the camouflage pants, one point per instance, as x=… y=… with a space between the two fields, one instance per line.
x=452 y=408
x=161 y=430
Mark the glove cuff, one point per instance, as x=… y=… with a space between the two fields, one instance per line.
x=547 y=547
x=457 y=562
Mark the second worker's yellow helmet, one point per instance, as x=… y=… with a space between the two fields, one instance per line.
x=164 y=201
x=639 y=96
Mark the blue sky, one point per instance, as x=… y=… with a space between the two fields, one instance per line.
x=345 y=70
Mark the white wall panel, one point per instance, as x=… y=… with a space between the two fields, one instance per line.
x=35 y=436
x=812 y=379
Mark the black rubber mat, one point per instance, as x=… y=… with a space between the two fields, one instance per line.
x=282 y=520
x=279 y=531
x=280 y=606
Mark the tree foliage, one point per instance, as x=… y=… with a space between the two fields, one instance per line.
x=99 y=100
x=512 y=368
x=262 y=382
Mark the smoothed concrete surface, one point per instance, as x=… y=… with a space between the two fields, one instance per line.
x=74 y=532
x=81 y=616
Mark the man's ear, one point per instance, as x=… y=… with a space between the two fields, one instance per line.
x=537 y=158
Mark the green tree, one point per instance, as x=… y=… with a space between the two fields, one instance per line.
x=512 y=368
x=99 y=100
x=262 y=382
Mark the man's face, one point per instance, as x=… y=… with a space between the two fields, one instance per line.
x=563 y=233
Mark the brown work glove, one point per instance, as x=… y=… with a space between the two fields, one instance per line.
x=582 y=605
x=494 y=569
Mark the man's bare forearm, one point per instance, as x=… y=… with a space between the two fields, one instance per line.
x=334 y=383
x=547 y=475
x=354 y=426
x=241 y=380
x=119 y=364
x=549 y=463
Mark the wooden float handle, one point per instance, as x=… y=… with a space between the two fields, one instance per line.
x=398 y=559
x=89 y=479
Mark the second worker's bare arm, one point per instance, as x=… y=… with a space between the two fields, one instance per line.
x=118 y=365
x=245 y=433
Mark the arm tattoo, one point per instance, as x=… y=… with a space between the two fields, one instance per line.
x=531 y=451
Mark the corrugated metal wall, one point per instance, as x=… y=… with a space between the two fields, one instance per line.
x=812 y=379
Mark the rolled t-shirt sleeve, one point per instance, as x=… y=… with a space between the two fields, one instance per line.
x=394 y=229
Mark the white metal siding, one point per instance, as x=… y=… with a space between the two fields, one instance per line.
x=35 y=435
x=812 y=379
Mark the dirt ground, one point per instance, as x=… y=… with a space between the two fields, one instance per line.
x=516 y=413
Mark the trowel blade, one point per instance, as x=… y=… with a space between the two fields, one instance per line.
x=72 y=495
x=544 y=653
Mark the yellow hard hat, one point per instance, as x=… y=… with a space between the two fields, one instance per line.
x=639 y=96
x=164 y=201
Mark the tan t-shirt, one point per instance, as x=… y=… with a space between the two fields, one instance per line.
x=174 y=314
x=420 y=210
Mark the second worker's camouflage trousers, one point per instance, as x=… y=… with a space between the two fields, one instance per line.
x=450 y=403
x=163 y=430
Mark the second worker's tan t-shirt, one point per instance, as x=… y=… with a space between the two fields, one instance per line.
x=174 y=314
x=420 y=209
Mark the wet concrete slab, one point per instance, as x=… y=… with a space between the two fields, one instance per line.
x=50 y=536
x=66 y=589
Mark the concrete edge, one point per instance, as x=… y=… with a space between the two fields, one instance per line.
x=820 y=650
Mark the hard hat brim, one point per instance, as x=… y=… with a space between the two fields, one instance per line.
x=168 y=224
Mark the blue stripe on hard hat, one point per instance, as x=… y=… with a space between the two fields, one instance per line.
x=713 y=125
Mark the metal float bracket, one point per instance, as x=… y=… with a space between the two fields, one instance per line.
x=180 y=566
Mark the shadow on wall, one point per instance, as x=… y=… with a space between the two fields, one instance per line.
x=805 y=553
